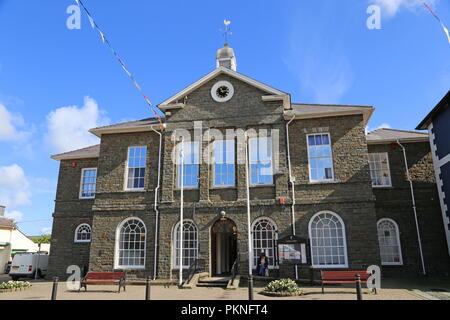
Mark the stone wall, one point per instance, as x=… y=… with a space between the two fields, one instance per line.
x=350 y=195
x=70 y=212
x=396 y=203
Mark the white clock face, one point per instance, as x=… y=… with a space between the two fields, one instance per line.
x=222 y=91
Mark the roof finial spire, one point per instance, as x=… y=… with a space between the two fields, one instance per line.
x=226 y=31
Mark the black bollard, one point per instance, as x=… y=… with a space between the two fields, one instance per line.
x=358 y=287
x=250 y=287
x=55 y=288
x=147 y=288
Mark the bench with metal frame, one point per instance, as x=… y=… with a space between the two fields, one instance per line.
x=100 y=278
x=334 y=277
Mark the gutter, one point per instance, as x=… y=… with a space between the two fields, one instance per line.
x=155 y=206
x=414 y=207
x=291 y=178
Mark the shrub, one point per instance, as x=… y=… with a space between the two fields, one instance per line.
x=282 y=286
x=14 y=285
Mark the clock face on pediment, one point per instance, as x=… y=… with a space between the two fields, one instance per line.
x=222 y=91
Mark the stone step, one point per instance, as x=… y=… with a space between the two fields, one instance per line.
x=218 y=282
x=212 y=284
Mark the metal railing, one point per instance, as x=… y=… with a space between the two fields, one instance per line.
x=234 y=271
x=193 y=269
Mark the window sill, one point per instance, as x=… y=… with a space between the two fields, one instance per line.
x=324 y=182
x=330 y=267
x=261 y=185
x=129 y=268
x=383 y=187
x=392 y=264
x=222 y=187
x=188 y=189
x=134 y=190
x=86 y=198
x=81 y=241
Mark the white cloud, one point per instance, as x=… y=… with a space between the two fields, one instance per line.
x=68 y=126
x=46 y=230
x=390 y=8
x=381 y=126
x=17 y=216
x=14 y=186
x=9 y=124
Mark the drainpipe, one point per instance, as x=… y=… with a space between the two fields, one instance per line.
x=181 y=214
x=249 y=235
x=414 y=207
x=291 y=178
x=155 y=206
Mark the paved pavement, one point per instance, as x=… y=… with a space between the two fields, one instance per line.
x=398 y=289
x=42 y=291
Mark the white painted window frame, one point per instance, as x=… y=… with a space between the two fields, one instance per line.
x=309 y=159
x=76 y=234
x=81 y=183
x=269 y=138
x=388 y=168
x=174 y=263
x=117 y=247
x=276 y=266
x=399 y=244
x=127 y=168
x=344 y=236
x=223 y=186
x=177 y=168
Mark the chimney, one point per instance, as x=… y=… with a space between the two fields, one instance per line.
x=2 y=211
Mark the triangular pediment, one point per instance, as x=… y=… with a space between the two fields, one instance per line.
x=220 y=70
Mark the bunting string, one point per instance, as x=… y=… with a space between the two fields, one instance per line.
x=95 y=26
x=438 y=19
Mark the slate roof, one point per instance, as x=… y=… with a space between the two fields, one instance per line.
x=304 y=110
x=385 y=135
x=7 y=223
x=131 y=126
x=88 y=152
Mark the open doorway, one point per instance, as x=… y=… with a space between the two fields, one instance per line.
x=223 y=246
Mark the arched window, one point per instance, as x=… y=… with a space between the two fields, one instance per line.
x=190 y=244
x=264 y=235
x=389 y=241
x=83 y=233
x=130 y=245
x=328 y=244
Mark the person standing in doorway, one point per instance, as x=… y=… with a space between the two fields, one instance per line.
x=262 y=264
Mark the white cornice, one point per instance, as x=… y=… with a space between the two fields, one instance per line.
x=213 y=74
x=366 y=112
x=99 y=131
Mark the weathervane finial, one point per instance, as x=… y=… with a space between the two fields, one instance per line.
x=226 y=31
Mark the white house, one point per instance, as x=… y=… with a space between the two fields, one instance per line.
x=13 y=241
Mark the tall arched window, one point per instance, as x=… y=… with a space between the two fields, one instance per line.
x=190 y=244
x=389 y=241
x=264 y=235
x=130 y=252
x=328 y=244
x=83 y=233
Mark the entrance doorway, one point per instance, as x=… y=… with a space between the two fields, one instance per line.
x=223 y=246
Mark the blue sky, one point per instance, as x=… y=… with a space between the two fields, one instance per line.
x=55 y=83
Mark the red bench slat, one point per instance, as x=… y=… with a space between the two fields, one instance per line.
x=104 y=278
x=105 y=275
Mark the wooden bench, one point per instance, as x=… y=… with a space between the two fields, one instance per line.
x=118 y=278
x=343 y=277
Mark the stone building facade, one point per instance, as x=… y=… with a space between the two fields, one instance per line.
x=320 y=153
